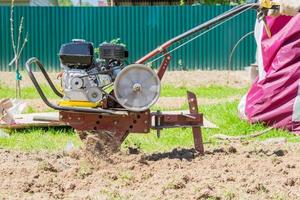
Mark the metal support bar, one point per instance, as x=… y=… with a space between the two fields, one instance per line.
x=207 y=25
x=163 y=120
x=164 y=65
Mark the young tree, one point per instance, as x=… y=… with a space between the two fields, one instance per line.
x=18 y=47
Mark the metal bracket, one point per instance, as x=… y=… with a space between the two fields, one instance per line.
x=164 y=65
x=193 y=120
x=120 y=125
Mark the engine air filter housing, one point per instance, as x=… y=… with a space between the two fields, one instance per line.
x=77 y=54
x=113 y=51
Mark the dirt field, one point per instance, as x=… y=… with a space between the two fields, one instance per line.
x=232 y=171
x=176 y=78
x=248 y=170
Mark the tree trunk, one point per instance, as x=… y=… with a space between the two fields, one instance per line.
x=18 y=85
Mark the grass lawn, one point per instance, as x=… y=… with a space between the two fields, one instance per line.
x=224 y=115
x=210 y=92
x=27 y=92
x=51 y=139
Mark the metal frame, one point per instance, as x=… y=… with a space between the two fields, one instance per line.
x=119 y=126
x=119 y=122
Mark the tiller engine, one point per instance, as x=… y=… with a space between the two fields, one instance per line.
x=105 y=96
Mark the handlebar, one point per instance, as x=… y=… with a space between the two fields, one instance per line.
x=207 y=25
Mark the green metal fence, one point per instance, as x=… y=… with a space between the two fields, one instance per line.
x=140 y=28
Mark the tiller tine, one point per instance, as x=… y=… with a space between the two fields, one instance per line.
x=193 y=120
x=197 y=133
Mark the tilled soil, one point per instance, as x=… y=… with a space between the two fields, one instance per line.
x=232 y=171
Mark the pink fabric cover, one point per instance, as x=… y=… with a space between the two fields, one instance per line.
x=271 y=99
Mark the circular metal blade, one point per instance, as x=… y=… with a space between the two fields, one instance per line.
x=137 y=87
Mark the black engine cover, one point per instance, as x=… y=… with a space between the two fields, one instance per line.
x=77 y=54
x=113 y=51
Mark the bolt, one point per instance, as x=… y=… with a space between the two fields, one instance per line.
x=146 y=113
x=145 y=130
x=115 y=122
x=78 y=118
x=137 y=87
x=146 y=122
x=70 y=118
